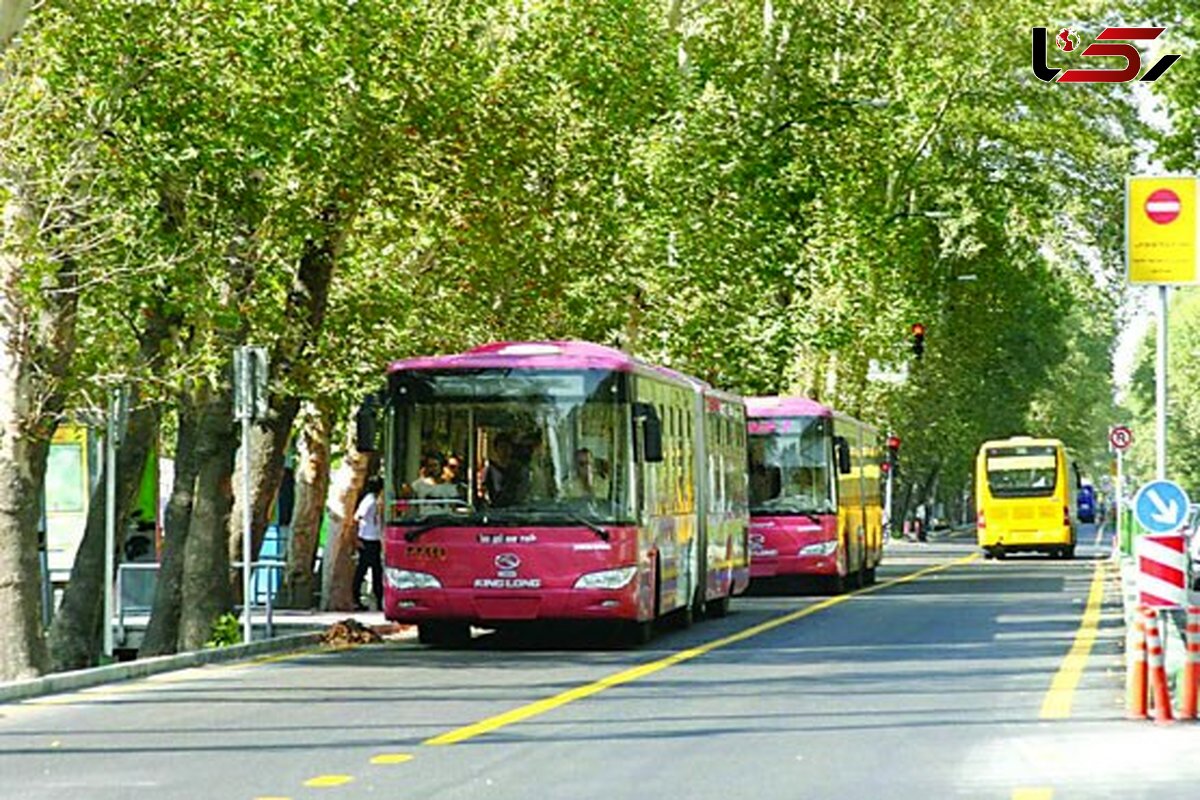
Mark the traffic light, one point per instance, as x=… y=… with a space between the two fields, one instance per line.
x=918 y=341
x=893 y=454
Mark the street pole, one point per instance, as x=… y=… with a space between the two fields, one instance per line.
x=247 y=517
x=1161 y=389
x=110 y=520
x=887 y=503
x=246 y=528
x=249 y=404
x=1120 y=512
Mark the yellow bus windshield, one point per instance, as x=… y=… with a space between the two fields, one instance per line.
x=1030 y=471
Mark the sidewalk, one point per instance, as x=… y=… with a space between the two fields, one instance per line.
x=294 y=630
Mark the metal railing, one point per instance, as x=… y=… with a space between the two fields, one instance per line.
x=122 y=607
x=248 y=603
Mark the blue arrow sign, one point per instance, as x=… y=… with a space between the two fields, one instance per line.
x=1160 y=506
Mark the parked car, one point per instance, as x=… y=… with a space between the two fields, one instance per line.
x=1085 y=504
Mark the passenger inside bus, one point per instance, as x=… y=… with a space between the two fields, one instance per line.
x=588 y=478
x=436 y=485
x=504 y=479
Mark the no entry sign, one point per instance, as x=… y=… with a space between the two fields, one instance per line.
x=1160 y=231
x=1162 y=206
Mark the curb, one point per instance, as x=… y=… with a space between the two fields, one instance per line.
x=59 y=682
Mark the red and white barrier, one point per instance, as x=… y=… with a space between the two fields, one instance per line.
x=1162 y=570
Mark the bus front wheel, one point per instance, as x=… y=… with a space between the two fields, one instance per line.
x=444 y=634
x=637 y=632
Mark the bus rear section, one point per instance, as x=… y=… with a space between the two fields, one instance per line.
x=1024 y=498
x=813 y=518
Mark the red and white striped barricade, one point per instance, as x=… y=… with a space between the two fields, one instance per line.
x=1162 y=570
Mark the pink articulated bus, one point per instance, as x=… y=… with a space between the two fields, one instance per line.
x=559 y=481
x=815 y=498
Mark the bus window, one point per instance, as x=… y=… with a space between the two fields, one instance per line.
x=1022 y=471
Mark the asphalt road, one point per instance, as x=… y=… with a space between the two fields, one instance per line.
x=947 y=679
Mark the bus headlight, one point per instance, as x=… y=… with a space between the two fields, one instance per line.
x=607 y=579
x=408 y=579
x=819 y=549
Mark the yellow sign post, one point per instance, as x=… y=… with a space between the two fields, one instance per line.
x=1160 y=231
x=1160 y=249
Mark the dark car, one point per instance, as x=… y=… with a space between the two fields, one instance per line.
x=1085 y=504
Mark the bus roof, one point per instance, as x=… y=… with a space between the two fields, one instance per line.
x=785 y=407
x=546 y=355
x=1016 y=441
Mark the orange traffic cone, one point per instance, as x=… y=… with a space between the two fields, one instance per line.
x=1135 y=673
x=1191 y=669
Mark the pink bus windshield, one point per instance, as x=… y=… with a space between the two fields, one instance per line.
x=542 y=447
x=791 y=466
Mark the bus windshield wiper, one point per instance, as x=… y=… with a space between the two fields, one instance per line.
x=428 y=524
x=557 y=511
x=582 y=520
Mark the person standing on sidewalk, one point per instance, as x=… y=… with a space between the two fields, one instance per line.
x=370 y=544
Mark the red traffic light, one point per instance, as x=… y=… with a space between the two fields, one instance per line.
x=885 y=467
x=918 y=329
x=893 y=442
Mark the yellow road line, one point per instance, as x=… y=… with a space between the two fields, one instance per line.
x=328 y=781
x=1057 y=703
x=641 y=671
x=391 y=758
x=1039 y=793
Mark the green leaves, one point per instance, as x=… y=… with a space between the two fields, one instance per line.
x=766 y=201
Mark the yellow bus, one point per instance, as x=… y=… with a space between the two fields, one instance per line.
x=1024 y=495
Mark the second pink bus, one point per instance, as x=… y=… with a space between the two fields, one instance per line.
x=815 y=494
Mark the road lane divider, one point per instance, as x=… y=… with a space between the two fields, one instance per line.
x=539 y=707
x=1061 y=694
x=328 y=781
x=392 y=758
x=1033 y=793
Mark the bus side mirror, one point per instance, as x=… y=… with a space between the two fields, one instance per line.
x=645 y=419
x=366 y=425
x=843 y=454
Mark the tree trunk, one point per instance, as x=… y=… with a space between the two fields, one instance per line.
x=312 y=487
x=37 y=340
x=76 y=636
x=162 y=634
x=22 y=469
x=206 y=589
x=339 y=594
x=304 y=316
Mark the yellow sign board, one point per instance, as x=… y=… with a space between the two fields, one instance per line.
x=1160 y=230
